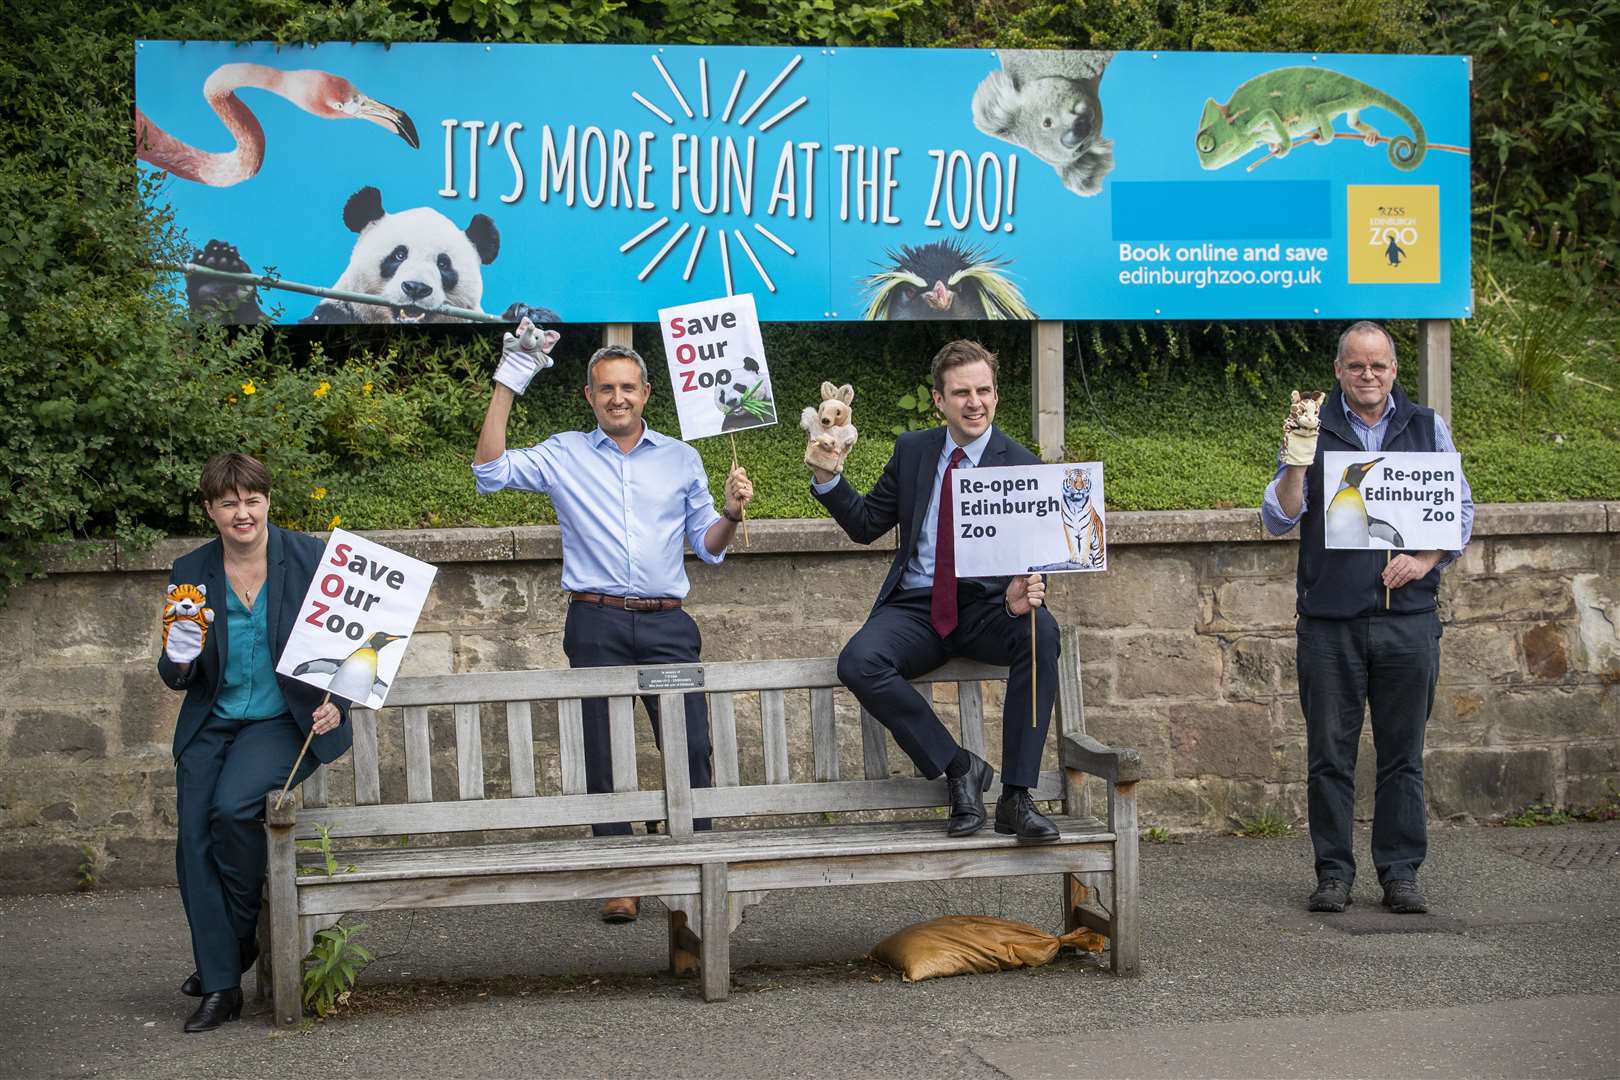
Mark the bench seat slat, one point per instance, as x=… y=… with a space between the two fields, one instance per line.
x=735 y=846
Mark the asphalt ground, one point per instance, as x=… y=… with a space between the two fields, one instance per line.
x=1515 y=972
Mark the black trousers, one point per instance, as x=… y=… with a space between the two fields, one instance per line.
x=899 y=643
x=1387 y=664
x=221 y=780
x=595 y=635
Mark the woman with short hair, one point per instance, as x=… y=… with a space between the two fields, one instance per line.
x=230 y=608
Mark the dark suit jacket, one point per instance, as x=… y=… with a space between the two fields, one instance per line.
x=292 y=561
x=901 y=496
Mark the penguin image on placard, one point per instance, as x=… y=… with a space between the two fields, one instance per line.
x=354 y=677
x=1348 y=524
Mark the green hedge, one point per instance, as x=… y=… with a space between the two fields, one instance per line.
x=112 y=399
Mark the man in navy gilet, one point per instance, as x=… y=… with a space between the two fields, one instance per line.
x=1368 y=632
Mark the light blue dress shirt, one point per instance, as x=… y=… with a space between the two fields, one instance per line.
x=247 y=686
x=623 y=515
x=1372 y=441
x=919 y=571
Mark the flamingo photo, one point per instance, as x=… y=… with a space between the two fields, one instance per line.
x=318 y=93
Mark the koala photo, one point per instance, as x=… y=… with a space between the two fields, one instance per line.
x=1047 y=101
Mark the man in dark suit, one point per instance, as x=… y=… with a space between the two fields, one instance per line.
x=925 y=615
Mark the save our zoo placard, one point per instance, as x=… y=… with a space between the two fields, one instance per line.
x=356 y=619
x=1026 y=519
x=1404 y=502
x=716 y=362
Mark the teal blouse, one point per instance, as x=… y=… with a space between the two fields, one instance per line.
x=247 y=687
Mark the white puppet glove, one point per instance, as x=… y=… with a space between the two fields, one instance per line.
x=1301 y=428
x=524 y=355
x=183 y=641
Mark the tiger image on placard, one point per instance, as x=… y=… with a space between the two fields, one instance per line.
x=1082 y=525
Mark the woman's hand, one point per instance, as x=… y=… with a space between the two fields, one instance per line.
x=327 y=718
x=183 y=641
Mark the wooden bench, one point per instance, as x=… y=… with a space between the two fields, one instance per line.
x=706 y=879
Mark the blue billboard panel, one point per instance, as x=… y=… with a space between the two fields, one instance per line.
x=446 y=182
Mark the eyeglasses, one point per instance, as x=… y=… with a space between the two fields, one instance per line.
x=1379 y=370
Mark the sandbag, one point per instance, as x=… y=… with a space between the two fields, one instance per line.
x=965 y=944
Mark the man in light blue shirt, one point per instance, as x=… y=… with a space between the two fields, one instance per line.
x=628 y=500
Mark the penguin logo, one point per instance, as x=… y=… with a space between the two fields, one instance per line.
x=1348 y=523
x=355 y=676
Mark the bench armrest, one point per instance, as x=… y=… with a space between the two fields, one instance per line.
x=1118 y=765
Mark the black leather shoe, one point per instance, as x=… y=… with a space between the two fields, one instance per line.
x=192 y=987
x=1401 y=896
x=1331 y=895
x=967 y=797
x=215 y=1009
x=1017 y=816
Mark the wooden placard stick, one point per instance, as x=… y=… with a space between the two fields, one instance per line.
x=304 y=750
x=1034 y=668
x=1387 y=557
x=744 y=509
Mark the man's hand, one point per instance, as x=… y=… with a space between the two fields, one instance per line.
x=183 y=641
x=327 y=717
x=1404 y=569
x=1025 y=593
x=822 y=476
x=1300 y=430
x=739 y=492
x=523 y=355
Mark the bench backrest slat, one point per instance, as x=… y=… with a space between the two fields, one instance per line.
x=731 y=675
x=571 y=745
x=418 y=755
x=773 y=731
x=477 y=814
x=874 y=747
x=367 y=782
x=469 y=751
x=520 y=747
x=723 y=734
x=899 y=793
x=677 y=773
x=970 y=707
x=823 y=734
x=314 y=788
x=622 y=739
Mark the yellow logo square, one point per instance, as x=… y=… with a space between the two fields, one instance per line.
x=1394 y=234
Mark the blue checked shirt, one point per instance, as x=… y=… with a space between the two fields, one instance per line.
x=623 y=516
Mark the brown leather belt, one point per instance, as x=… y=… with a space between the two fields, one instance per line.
x=628 y=603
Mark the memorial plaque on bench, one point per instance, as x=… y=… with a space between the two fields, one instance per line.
x=670 y=678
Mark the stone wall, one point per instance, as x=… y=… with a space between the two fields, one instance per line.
x=1186 y=646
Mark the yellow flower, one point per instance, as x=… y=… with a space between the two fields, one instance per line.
x=330 y=525
x=318 y=493
x=249 y=388
x=365 y=388
x=230 y=399
x=321 y=390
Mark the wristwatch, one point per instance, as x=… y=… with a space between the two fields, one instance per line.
x=725 y=512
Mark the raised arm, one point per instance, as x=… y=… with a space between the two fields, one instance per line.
x=867 y=517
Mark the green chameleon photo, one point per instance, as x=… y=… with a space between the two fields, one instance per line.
x=1289 y=104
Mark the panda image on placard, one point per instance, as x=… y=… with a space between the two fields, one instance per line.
x=744 y=396
x=417 y=260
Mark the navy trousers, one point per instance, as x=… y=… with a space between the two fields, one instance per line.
x=1388 y=665
x=221 y=780
x=899 y=643
x=595 y=635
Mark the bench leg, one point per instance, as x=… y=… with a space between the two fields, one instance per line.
x=281 y=913
x=1075 y=893
x=716 y=930
x=1124 y=941
x=683 y=946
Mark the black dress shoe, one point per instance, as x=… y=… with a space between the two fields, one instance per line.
x=215 y=1009
x=1017 y=816
x=249 y=951
x=967 y=797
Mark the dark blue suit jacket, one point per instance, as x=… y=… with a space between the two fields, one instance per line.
x=292 y=560
x=901 y=496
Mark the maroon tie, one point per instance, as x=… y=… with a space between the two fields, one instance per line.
x=942 y=610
